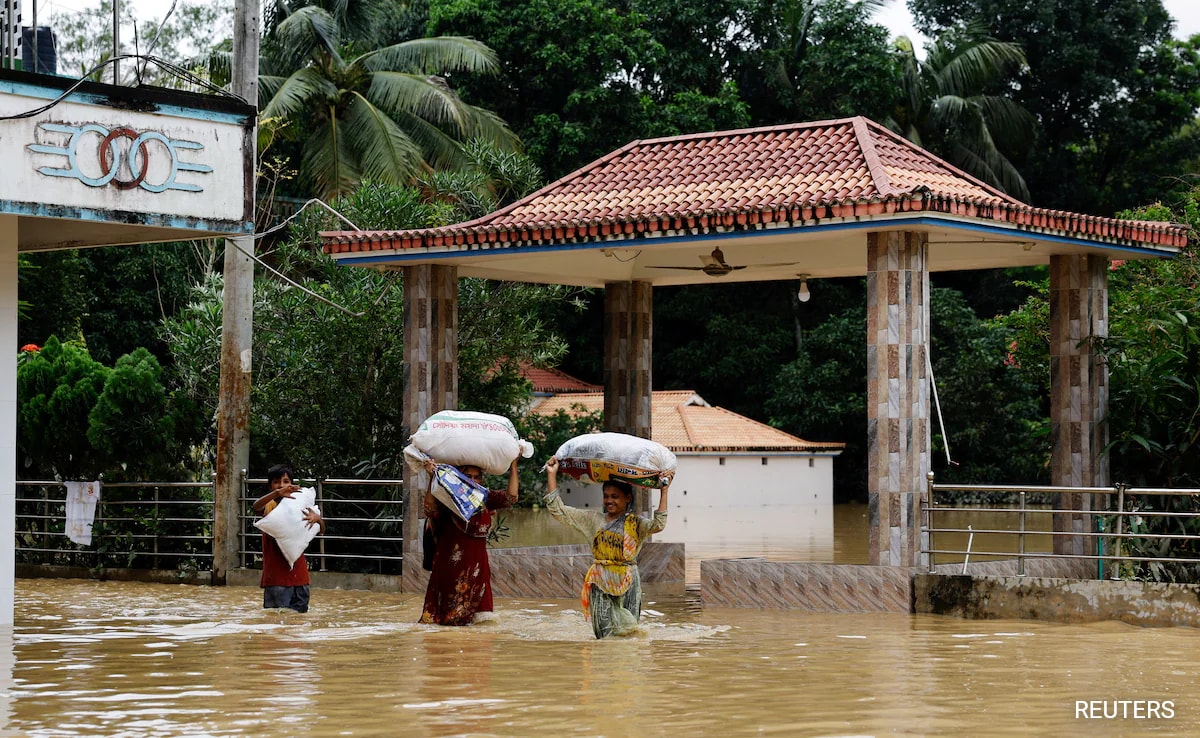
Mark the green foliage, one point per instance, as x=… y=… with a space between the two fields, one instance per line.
x=328 y=363
x=350 y=112
x=1114 y=95
x=84 y=39
x=547 y=433
x=112 y=298
x=724 y=341
x=135 y=420
x=564 y=83
x=56 y=391
x=945 y=105
x=77 y=419
x=815 y=60
x=821 y=394
x=995 y=425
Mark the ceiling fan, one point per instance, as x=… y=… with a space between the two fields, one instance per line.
x=716 y=266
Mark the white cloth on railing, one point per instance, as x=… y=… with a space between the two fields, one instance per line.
x=81 y=510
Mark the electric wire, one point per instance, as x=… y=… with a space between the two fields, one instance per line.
x=167 y=66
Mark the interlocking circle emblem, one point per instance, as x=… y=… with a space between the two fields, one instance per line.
x=121 y=157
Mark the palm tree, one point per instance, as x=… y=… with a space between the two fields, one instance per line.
x=945 y=106
x=386 y=115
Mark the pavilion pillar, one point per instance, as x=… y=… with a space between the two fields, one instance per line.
x=431 y=367
x=898 y=441
x=8 y=422
x=628 y=320
x=1078 y=391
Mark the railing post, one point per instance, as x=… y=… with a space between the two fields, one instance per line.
x=243 y=492
x=319 y=501
x=157 y=526
x=46 y=524
x=1021 y=537
x=926 y=523
x=1120 y=529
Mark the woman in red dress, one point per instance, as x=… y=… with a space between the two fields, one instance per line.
x=460 y=584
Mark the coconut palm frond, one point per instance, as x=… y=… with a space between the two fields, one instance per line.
x=976 y=65
x=328 y=162
x=268 y=87
x=307 y=30
x=1004 y=114
x=977 y=153
x=947 y=112
x=438 y=55
x=484 y=124
x=440 y=150
x=299 y=93
x=386 y=152
x=427 y=97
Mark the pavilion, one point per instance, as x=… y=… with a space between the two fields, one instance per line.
x=836 y=198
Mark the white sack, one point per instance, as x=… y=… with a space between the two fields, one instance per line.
x=462 y=437
x=286 y=523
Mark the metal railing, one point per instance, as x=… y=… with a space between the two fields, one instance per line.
x=364 y=534
x=1124 y=531
x=168 y=525
x=150 y=525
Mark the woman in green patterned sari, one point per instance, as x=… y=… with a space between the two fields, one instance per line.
x=612 y=589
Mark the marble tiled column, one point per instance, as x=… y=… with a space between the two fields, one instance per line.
x=1078 y=390
x=431 y=363
x=898 y=442
x=628 y=320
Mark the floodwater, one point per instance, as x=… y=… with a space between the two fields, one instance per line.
x=123 y=659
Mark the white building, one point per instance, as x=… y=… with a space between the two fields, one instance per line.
x=742 y=488
x=725 y=459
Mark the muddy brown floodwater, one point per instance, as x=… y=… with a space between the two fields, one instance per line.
x=89 y=658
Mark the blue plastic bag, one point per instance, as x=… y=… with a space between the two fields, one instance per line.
x=458 y=492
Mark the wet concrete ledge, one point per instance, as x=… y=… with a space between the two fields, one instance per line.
x=974 y=597
x=556 y=571
x=758 y=583
x=541 y=571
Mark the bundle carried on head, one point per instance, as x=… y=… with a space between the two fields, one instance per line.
x=603 y=457
x=465 y=438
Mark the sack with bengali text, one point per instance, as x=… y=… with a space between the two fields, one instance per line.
x=465 y=438
x=603 y=457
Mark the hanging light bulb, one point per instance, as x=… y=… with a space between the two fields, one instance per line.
x=803 y=294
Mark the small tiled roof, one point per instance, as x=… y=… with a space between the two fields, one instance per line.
x=553 y=381
x=783 y=176
x=682 y=421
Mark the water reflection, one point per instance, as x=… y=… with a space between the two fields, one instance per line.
x=835 y=534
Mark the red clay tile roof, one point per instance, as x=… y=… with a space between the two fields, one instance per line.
x=554 y=381
x=783 y=176
x=682 y=421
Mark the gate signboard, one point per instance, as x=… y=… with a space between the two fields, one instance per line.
x=111 y=165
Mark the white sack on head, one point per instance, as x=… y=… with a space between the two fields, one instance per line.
x=286 y=523
x=462 y=437
x=603 y=457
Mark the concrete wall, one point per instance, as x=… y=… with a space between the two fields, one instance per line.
x=757 y=583
x=555 y=571
x=1057 y=600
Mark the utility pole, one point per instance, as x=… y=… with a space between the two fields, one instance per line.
x=233 y=405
